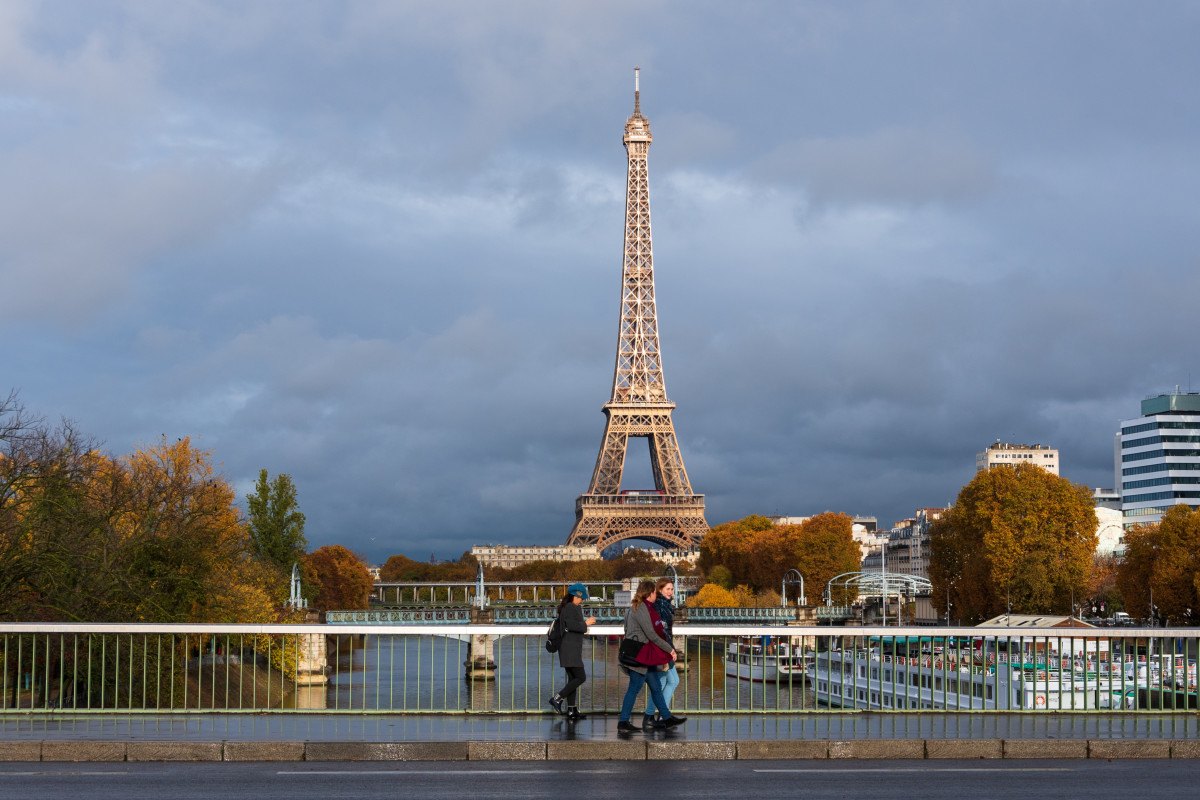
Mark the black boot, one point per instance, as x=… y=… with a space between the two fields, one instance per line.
x=573 y=714
x=627 y=727
x=556 y=702
x=648 y=721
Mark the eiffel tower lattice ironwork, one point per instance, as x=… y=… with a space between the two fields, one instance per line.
x=671 y=515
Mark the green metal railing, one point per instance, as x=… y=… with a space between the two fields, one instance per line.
x=457 y=668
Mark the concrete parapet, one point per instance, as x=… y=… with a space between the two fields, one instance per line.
x=964 y=748
x=784 y=748
x=1129 y=748
x=1189 y=748
x=173 y=751
x=83 y=751
x=1045 y=748
x=264 y=751
x=878 y=748
x=580 y=750
x=506 y=751
x=673 y=751
x=385 y=751
x=20 y=751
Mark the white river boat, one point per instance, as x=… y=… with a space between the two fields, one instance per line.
x=776 y=659
x=867 y=678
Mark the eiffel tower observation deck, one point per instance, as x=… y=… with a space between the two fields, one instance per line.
x=671 y=514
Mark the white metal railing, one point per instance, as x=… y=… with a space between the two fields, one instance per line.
x=470 y=668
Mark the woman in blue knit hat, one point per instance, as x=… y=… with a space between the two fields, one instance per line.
x=570 y=652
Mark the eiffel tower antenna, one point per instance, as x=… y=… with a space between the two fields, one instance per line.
x=671 y=515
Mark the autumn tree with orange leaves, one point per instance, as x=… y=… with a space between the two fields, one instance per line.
x=154 y=536
x=1016 y=533
x=758 y=553
x=340 y=578
x=1163 y=557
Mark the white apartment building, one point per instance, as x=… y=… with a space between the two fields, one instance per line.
x=1156 y=457
x=499 y=555
x=1000 y=454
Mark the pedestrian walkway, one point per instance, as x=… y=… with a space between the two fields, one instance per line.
x=289 y=727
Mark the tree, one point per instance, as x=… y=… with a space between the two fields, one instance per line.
x=149 y=537
x=711 y=596
x=1103 y=587
x=1164 y=558
x=401 y=568
x=825 y=548
x=276 y=524
x=750 y=548
x=1018 y=534
x=340 y=577
x=757 y=552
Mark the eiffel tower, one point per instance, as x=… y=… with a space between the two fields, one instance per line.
x=672 y=515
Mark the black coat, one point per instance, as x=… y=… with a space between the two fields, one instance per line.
x=570 y=652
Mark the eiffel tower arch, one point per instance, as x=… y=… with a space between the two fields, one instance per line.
x=672 y=514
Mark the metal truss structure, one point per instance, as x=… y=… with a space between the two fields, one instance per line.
x=672 y=514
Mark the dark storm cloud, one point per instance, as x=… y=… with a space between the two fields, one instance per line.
x=377 y=245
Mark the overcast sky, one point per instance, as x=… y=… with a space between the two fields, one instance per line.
x=377 y=245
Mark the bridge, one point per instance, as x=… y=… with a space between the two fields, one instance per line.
x=398 y=592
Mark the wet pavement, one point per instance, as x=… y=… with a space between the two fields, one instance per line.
x=302 y=727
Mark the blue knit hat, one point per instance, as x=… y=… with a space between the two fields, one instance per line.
x=579 y=590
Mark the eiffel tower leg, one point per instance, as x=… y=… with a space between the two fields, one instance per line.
x=610 y=465
x=670 y=477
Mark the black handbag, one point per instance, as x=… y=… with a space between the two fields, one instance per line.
x=628 y=652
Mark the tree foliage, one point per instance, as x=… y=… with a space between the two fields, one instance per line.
x=276 y=523
x=149 y=537
x=1164 y=558
x=1015 y=533
x=340 y=577
x=756 y=552
x=711 y=596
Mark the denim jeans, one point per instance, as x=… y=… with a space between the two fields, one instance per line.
x=652 y=679
x=670 y=679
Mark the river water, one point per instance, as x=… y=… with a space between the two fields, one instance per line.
x=426 y=673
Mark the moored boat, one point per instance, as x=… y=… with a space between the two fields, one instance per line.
x=764 y=658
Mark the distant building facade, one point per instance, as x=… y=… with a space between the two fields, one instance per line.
x=499 y=555
x=1157 y=458
x=668 y=556
x=905 y=548
x=1000 y=454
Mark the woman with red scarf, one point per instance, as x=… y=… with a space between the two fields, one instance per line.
x=642 y=624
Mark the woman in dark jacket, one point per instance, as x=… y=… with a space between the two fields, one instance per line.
x=570 y=652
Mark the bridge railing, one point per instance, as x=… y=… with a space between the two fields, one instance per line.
x=459 y=668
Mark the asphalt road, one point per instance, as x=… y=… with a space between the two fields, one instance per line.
x=600 y=780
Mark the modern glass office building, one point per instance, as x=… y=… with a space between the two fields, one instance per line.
x=1157 y=457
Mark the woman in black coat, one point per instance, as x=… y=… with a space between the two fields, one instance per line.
x=570 y=652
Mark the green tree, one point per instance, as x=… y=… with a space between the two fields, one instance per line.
x=1018 y=534
x=276 y=523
